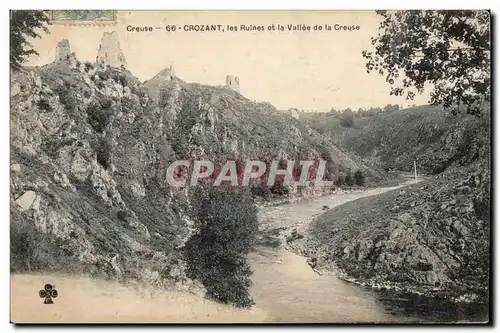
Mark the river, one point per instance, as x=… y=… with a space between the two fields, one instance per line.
x=286 y=287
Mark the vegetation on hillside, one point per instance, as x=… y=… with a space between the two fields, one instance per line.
x=225 y=222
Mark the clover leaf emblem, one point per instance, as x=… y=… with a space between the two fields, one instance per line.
x=48 y=292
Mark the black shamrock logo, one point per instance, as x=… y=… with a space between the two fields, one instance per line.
x=48 y=292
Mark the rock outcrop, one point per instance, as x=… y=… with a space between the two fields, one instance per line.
x=430 y=237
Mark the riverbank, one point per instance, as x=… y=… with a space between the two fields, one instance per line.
x=313 y=228
x=412 y=241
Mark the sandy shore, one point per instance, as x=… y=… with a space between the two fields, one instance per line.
x=85 y=300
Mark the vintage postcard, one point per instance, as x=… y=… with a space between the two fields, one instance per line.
x=250 y=166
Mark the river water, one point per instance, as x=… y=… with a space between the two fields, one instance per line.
x=286 y=287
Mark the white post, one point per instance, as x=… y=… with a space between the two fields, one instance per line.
x=415 y=168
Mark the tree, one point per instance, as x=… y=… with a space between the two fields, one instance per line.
x=359 y=178
x=347 y=119
x=23 y=25
x=448 y=49
x=226 y=226
x=348 y=180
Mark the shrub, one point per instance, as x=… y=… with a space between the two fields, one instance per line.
x=359 y=178
x=99 y=115
x=348 y=180
x=340 y=180
x=127 y=104
x=122 y=215
x=279 y=189
x=67 y=97
x=347 y=118
x=226 y=225
x=260 y=190
x=34 y=251
x=103 y=75
x=88 y=66
x=103 y=153
x=44 y=105
x=100 y=84
x=120 y=78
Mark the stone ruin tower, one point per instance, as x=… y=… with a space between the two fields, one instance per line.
x=168 y=73
x=63 y=51
x=109 y=52
x=233 y=82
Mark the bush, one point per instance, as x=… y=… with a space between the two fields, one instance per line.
x=128 y=104
x=279 y=189
x=347 y=119
x=348 y=180
x=122 y=215
x=34 y=251
x=121 y=79
x=67 y=97
x=103 y=153
x=103 y=75
x=88 y=66
x=340 y=180
x=260 y=190
x=359 y=178
x=226 y=225
x=44 y=105
x=99 y=115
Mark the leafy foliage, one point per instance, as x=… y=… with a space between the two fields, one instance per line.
x=99 y=115
x=359 y=178
x=23 y=25
x=347 y=119
x=44 y=105
x=67 y=96
x=450 y=49
x=103 y=152
x=226 y=225
x=348 y=180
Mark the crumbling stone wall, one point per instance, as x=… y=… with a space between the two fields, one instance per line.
x=233 y=82
x=63 y=50
x=109 y=52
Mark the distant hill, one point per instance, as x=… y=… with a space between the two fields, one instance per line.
x=436 y=139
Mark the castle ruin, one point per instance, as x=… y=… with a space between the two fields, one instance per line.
x=63 y=51
x=233 y=82
x=168 y=73
x=109 y=52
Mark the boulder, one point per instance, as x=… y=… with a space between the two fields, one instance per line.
x=15 y=167
x=26 y=201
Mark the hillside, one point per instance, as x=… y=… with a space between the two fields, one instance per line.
x=432 y=237
x=90 y=146
x=434 y=138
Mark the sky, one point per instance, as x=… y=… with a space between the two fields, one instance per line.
x=309 y=70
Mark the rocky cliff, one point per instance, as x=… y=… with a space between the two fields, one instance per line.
x=89 y=148
x=431 y=238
